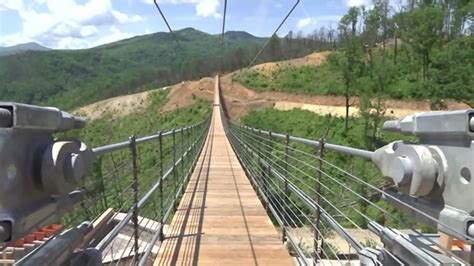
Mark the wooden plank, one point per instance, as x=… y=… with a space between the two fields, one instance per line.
x=446 y=242
x=5 y=262
x=220 y=219
x=100 y=222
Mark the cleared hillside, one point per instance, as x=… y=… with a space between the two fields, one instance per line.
x=381 y=73
x=240 y=100
x=181 y=95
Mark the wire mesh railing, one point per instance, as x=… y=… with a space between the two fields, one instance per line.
x=132 y=191
x=329 y=200
x=326 y=210
x=149 y=190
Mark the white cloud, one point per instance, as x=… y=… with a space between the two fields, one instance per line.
x=124 y=18
x=113 y=35
x=11 y=4
x=61 y=22
x=358 y=2
x=204 y=8
x=305 y=22
x=72 y=43
x=89 y=31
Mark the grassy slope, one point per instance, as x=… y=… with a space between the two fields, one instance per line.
x=316 y=80
x=108 y=129
x=312 y=126
x=73 y=78
x=108 y=182
x=449 y=76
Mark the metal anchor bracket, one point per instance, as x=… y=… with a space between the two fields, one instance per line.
x=436 y=172
x=38 y=174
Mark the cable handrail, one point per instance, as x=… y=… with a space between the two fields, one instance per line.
x=269 y=149
x=365 y=154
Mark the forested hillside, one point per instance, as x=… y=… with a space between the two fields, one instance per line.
x=423 y=50
x=71 y=78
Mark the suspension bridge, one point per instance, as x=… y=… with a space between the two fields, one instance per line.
x=220 y=219
x=219 y=192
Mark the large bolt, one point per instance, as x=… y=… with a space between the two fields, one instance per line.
x=470 y=229
x=5 y=231
x=401 y=171
x=6 y=118
x=471 y=123
x=74 y=168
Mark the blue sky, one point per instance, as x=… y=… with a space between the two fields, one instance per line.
x=76 y=24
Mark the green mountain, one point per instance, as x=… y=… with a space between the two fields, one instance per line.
x=21 y=48
x=72 y=78
x=242 y=35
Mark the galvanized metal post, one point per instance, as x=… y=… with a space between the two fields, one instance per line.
x=162 y=212
x=195 y=141
x=285 y=188
x=269 y=171
x=116 y=184
x=175 y=175
x=190 y=135
x=182 y=155
x=259 y=152
x=193 y=149
x=133 y=150
x=318 y=252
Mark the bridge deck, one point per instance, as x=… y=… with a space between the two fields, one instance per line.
x=220 y=219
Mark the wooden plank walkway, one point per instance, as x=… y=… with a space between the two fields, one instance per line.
x=220 y=220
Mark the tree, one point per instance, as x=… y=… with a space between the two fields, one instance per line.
x=274 y=47
x=350 y=63
x=288 y=41
x=451 y=72
x=423 y=26
x=332 y=37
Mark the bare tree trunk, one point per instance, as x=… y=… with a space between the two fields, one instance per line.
x=395 y=51
x=346 y=126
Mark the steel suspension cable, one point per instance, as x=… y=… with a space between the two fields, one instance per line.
x=367 y=200
x=327 y=201
x=166 y=22
x=274 y=32
x=284 y=217
x=335 y=208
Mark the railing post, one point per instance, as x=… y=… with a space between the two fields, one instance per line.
x=191 y=138
x=162 y=211
x=133 y=150
x=268 y=174
x=285 y=188
x=192 y=142
x=192 y=134
x=318 y=203
x=182 y=155
x=260 y=177
x=116 y=185
x=175 y=176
